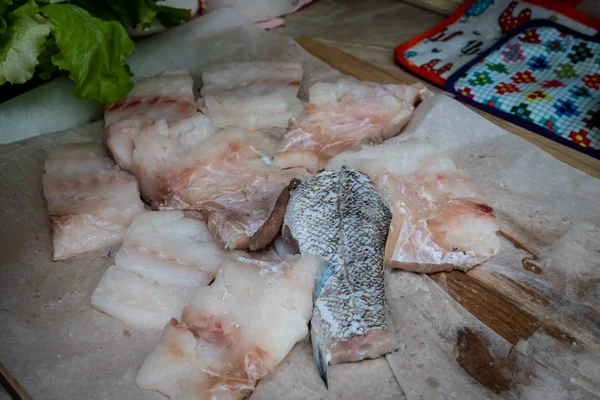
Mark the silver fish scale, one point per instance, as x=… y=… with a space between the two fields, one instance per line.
x=341 y=217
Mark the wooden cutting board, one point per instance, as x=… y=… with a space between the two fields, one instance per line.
x=511 y=308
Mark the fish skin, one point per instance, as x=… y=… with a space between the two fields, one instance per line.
x=340 y=216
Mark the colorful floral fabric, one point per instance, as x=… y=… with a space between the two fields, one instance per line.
x=544 y=77
x=478 y=24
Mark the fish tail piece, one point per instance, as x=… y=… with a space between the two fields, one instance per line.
x=320 y=358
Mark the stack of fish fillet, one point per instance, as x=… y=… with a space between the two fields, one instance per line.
x=198 y=260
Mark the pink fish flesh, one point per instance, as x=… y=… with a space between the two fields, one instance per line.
x=343 y=115
x=439 y=220
x=167 y=96
x=235 y=331
x=91 y=201
x=243 y=197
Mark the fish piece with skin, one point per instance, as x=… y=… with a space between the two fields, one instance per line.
x=235 y=331
x=91 y=201
x=343 y=115
x=165 y=256
x=242 y=197
x=251 y=95
x=167 y=96
x=340 y=216
x=439 y=221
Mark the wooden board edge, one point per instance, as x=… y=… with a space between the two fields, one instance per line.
x=442 y=7
x=11 y=385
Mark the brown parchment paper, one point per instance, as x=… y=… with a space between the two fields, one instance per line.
x=58 y=347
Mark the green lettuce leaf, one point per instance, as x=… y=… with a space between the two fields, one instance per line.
x=171 y=16
x=21 y=43
x=128 y=13
x=4 y=5
x=45 y=68
x=92 y=50
x=134 y=12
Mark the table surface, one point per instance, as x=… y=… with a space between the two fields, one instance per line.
x=371 y=29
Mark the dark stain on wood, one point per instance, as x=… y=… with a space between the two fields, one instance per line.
x=528 y=262
x=475 y=358
x=490 y=306
x=558 y=334
x=530 y=265
x=592 y=310
x=518 y=244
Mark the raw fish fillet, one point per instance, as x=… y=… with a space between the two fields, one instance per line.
x=184 y=165
x=251 y=95
x=167 y=96
x=242 y=197
x=439 y=221
x=164 y=258
x=341 y=116
x=91 y=201
x=235 y=331
x=152 y=149
x=340 y=216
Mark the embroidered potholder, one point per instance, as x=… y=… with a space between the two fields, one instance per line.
x=477 y=25
x=542 y=76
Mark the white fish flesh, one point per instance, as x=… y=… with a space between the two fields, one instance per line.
x=187 y=165
x=235 y=331
x=166 y=142
x=439 y=220
x=167 y=96
x=91 y=201
x=341 y=116
x=251 y=95
x=140 y=302
x=165 y=256
x=242 y=197
x=152 y=150
x=340 y=216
